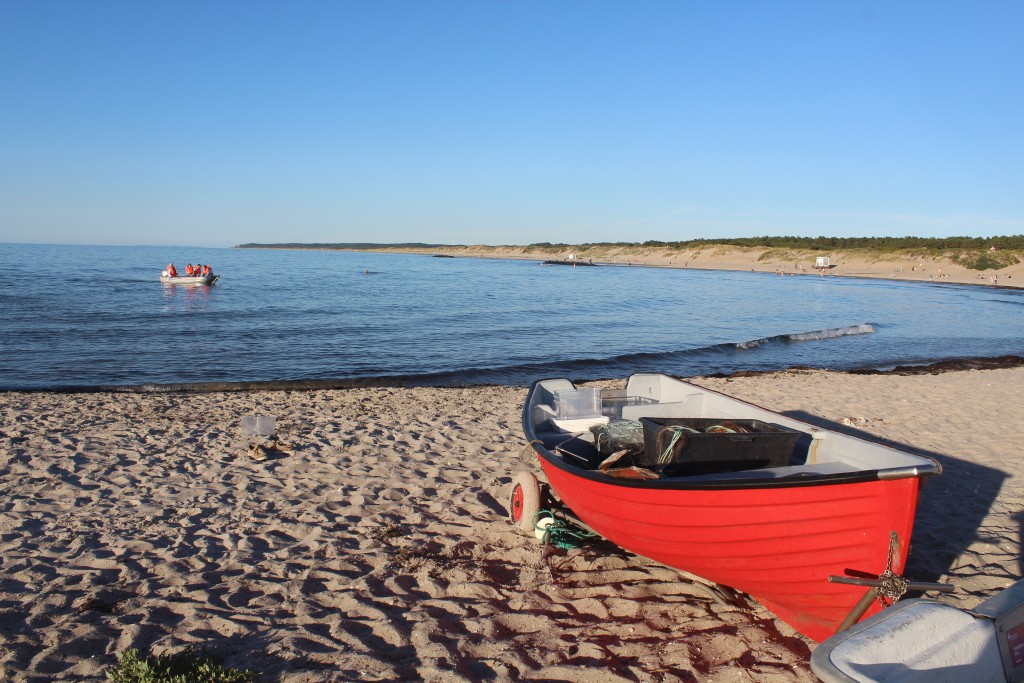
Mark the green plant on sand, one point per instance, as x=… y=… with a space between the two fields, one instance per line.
x=183 y=667
x=986 y=260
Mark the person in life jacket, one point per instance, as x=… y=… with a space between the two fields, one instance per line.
x=189 y=270
x=207 y=270
x=171 y=270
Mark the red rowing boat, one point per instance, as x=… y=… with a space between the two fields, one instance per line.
x=774 y=529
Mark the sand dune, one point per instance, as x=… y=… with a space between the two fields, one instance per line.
x=373 y=545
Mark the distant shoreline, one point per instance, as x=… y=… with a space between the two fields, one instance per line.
x=903 y=265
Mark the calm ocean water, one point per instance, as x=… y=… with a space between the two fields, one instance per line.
x=78 y=316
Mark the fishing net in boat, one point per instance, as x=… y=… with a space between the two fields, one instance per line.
x=618 y=435
x=671 y=440
x=622 y=442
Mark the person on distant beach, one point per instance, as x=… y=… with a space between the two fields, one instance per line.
x=171 y=270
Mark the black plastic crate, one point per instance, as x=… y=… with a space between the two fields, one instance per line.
x=765 y=445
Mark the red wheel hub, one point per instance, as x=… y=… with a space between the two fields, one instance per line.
x=517 y=503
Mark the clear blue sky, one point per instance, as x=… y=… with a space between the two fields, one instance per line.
x=216 y=122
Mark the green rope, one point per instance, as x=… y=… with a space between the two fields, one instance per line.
x=561 y=533
x=675 y=433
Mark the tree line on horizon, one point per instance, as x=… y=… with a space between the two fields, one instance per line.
x=1007 y=242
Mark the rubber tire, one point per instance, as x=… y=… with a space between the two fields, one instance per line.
x=524 y=501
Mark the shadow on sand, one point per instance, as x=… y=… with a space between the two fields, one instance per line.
x=951 y=508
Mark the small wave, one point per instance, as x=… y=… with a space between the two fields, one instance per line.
x=697 y=360
x=693 y=360
x=1004 y=301
x=711 y=359
x=831 y=333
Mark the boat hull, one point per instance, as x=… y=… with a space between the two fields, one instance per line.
x=778 y=545
x=572 y=263
x=189 y=279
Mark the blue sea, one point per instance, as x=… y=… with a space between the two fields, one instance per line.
x=89 y=316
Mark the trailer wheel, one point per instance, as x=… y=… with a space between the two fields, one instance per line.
x=524 y=501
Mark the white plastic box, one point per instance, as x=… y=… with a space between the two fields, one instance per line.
x=259 y=425
x=577 y=404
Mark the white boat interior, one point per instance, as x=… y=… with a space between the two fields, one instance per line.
x=818 y=452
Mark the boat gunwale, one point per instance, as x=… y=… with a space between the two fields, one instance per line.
x=799 y=479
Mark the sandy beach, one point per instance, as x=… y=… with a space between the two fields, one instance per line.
x=904 y=266
x=373 y=546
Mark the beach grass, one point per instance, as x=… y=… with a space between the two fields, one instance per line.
x=186 y=666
